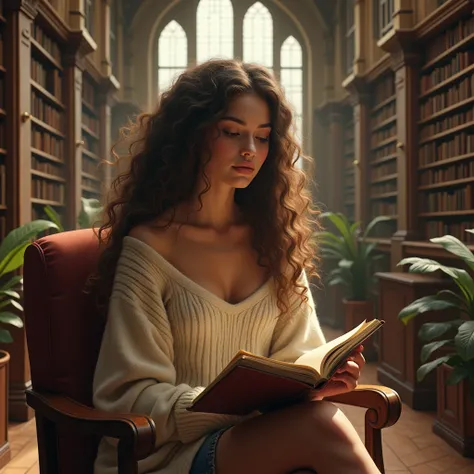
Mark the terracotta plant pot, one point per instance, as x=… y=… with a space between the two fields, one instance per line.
x=455 y=413
x=355 y=313
x=4 y=445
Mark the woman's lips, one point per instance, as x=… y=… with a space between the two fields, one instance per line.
x=243 y=169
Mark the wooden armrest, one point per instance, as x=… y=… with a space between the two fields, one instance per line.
x=383 y=403
x=136 y=432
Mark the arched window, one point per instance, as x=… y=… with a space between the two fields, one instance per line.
x=292 y=79
x=215 y=30
x=258 y=35
x=172 y=54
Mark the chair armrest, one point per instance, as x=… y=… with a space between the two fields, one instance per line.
x=383 y=403
x=137 y=432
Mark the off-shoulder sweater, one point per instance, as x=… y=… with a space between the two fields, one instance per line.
x=166 y=338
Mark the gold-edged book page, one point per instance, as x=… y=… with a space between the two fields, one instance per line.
x=316 y=357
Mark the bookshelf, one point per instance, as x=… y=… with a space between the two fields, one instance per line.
x=348 y=169
x=3 y=119
x=90 y=173
x=446 y=131
x=382 y=169
x=47 y=125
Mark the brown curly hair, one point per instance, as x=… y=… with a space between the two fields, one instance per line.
x=165 y=148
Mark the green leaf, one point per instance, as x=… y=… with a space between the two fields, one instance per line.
x=425 y=265
x=430 y=331
x=341 y=224
x=456 y=247
x=13 y=303
x=12 y=282
x=422 y=305
x=425 y=369
x=5 y=336
x=10 y=318
x=464 y=340
x=54 y=217
x=10 y=293
x=14 y=259
x=428 y=349
x=344 y=263
x=458 y=374
x=371 y=225
x=19 y=236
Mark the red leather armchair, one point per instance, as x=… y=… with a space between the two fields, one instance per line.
x=64 y=334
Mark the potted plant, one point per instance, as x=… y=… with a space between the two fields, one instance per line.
x=12 y=251
x=89 y=214
x=347 y=245
x=449 y=345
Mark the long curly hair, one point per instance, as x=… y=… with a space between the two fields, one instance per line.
x=165 y=149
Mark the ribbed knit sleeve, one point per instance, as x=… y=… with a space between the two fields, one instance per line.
x=299 y=331
x=135 y=371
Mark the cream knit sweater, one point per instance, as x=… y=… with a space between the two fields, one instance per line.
x=167 y=338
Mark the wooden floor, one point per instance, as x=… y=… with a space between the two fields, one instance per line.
x=410 y=447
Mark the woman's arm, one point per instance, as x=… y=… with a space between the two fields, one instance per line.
x=298 y=331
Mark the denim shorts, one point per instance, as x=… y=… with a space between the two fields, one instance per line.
x=205 y=460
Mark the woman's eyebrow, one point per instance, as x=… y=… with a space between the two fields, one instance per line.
x=242 y=122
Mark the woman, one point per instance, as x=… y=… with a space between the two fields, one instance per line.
x=207 y=252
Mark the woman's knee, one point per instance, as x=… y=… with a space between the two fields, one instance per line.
x=329 y=422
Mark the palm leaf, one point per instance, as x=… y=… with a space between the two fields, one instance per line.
x=428 y=349
x=464 y=340
x=12 y=319
x=425 y=369
x=5 y=336
x=54 y=217
x=430 y=331
x=422 y=305
x=343 y=227
x=456 y=247
x=23 y=234
x=373 y=223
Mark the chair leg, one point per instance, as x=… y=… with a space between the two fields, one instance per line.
x=47 y=436
x=373 y=443
x=127 y=463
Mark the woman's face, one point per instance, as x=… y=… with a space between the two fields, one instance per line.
x=239 y=143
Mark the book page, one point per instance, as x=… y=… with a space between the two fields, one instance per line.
x=315 y=357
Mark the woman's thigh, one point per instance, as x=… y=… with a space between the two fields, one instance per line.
x=314 y=436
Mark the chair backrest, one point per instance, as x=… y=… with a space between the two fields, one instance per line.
x=63 y=329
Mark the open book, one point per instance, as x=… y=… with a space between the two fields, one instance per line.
x=251 y=382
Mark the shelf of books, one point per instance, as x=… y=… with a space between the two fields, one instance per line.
x=3 y=118
x=382 y=169
x=348 y=168
x=48 y=181
x=446 y=131
x=91 y=176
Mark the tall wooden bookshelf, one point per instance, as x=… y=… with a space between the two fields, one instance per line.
x=3 y=119
x=348 y=169
x=446 y=130
x=382 y=169
x=47 y=125
x=90 y=176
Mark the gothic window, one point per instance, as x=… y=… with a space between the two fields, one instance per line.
x=172 y=54
x=383 y=12
x=89 y=16
x=215 y=30
x=350 y=37
x=258 y=35
x=292 y=79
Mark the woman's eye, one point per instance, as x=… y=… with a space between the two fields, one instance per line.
x=230 y=134
x=263 y=139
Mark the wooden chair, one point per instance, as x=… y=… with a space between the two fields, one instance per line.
x=64 y=334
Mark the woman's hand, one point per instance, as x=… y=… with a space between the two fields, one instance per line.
x=345 y=379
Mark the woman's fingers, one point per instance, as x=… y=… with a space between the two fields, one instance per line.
x=351 y=367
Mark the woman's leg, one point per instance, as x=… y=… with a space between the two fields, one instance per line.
x=309 y=436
